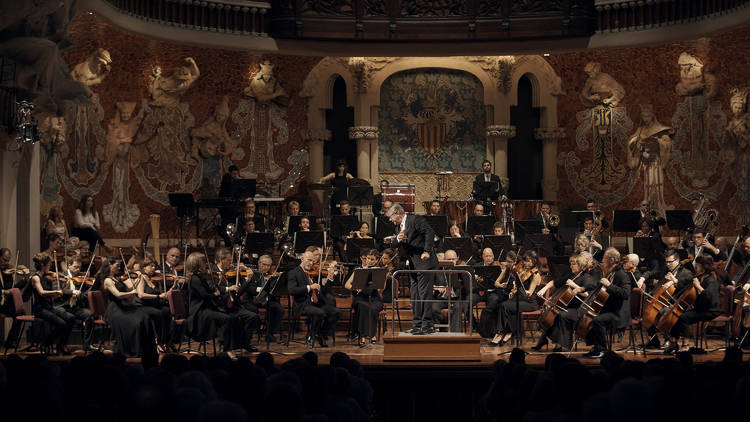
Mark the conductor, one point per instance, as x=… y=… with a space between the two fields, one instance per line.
x=416 y=237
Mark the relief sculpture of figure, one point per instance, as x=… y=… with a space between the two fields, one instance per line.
x=52 y=141
x=165 y=127
x=120 y=134
x=649 y=148
x=268 y=120
x=33 y=34
x=600 y=89
x=699 y=88
x=736 y=150
x=211 y=142
x=90 y=72
x=166 y=91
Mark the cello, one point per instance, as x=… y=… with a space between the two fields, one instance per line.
x=593 y=306
x=556 y=304
x=661 y=298
x=684 y=301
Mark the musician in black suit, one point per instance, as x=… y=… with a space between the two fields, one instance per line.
x=309 y=299
x=487 y=176
x=543 y=217
x=250 y=290
x=416 y=239
x=250 y=212
x=616 y=310
x=701 y=246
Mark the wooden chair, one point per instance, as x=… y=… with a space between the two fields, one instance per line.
x=97 y=309
x=20 y=317
x=725 y=318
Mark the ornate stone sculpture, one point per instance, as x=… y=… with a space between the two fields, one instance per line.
x=94 y=69
x=600 y=89
x=736 y=149
x=166 y=91
x=267 y=125
x=52 y=131
x=649 y=148
x=120 y=136
x=264 y=86
x=33 y=33
x=693 y=80
x=211 y=142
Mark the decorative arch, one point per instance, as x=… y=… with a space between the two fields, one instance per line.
x=546 y=86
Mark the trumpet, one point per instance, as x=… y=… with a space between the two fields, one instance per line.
x=554 y=220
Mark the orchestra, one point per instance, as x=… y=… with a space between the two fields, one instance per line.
x=232 y=294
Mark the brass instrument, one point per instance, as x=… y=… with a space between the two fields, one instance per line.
x=706 y=218
x=554 y=220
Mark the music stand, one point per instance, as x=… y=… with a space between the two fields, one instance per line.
x=243 y=188
x=559 y=265
x=647 y=248
x=439 y=224
x=305 y=203
x=523 y=227
x=342 y=225
x=462 y=245
x=185 y=204
x=354 y=245
x=541 y=243
x=479 y=224
x=304 y=239
x=500 y=245
x=293 y=224
x=486 y=191
x=360 y=195
x=384 y=227
x=259 y=243
x=626 y=221
x=488 y=275
x=369 y=278
x=680 y=220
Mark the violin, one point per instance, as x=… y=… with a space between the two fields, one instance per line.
x=19 y=270
x=243 y=272
x=79 y=280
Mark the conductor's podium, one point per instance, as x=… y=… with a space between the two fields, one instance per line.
x=432 y=347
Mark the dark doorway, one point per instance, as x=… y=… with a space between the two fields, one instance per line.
x=525 y=152
x=338 y=120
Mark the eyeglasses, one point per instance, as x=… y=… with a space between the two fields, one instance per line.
x=669 y=262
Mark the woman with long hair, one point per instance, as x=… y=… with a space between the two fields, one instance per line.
x=131 y=326
x=86 y=222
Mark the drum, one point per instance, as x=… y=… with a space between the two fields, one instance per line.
x=405 y=195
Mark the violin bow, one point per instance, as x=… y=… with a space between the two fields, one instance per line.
x=164 y=274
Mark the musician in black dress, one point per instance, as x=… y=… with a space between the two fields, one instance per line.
x=131 y=326
x=581 y=280
x=206 y=316
x=496 y=295
x=524 y=285
x=244 y=322
x=45 y=289
x=706 y=305
x=339 y=180
x=255 y=293
x=366 y=303
x=617 y=283
x=416 y=237
x=309 y=299
x=153 y=296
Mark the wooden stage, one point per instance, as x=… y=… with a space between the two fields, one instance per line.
x=373 y=355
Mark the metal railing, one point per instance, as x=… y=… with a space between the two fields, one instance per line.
x=449 y=300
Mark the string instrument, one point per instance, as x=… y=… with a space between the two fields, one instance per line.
x=593 y=306
x=17 y=270
x=662 y=297
x=523 y=276
x=556 y=304
x=508 y=271
x=212 y=279
x=740 y=299
x=684 y=301
x=14 y=271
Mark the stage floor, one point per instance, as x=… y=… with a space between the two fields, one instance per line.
x=372 y=355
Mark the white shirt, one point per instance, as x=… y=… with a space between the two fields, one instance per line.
x=487 y=177
x=88 y=221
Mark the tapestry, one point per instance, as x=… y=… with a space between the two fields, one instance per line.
x=431 y=120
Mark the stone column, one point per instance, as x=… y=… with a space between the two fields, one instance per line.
x=497 y=142
x=549 y=138
x=315 y=139
x=366 y=137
